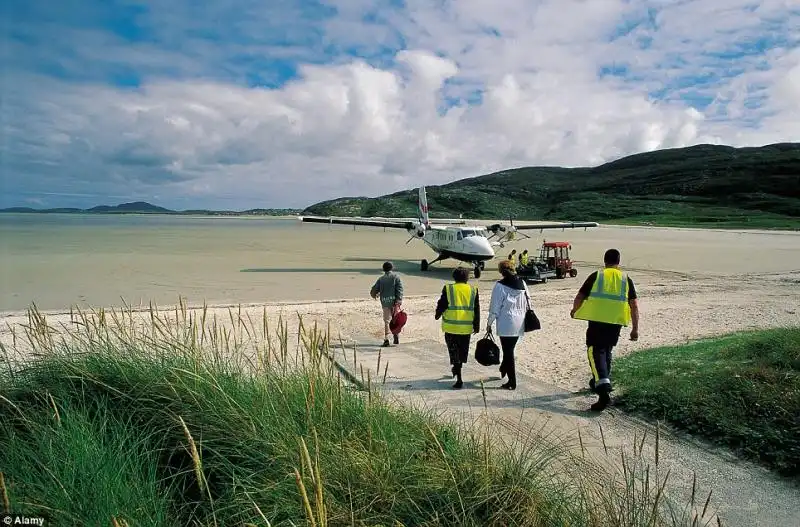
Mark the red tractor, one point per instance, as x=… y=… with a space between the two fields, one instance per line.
x=553 y=261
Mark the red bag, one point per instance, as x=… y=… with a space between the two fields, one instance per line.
x=399 y=319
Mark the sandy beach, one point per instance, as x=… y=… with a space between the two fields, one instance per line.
x=692 y=283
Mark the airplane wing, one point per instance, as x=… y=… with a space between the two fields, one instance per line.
x=359 y=221
x=561 y=225
x=507 y=232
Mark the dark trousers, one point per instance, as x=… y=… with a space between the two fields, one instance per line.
x=507 y=364
x=600 y=364
x=457 y=348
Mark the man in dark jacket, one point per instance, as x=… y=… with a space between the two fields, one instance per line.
x=459 y=309
x=389 y=289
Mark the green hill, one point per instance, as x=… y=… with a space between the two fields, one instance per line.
x=134 y=207
x=703 y=185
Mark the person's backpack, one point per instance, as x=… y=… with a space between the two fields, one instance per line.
x=487 y=353
x=399 y=319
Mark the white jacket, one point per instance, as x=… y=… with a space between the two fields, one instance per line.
x=508 y=306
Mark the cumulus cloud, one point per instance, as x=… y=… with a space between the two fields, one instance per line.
x=208 y=107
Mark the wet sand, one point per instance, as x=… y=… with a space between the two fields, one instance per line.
x=267 y=260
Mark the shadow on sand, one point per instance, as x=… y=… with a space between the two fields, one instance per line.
x=551 y=403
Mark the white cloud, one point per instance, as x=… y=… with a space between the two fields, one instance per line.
x=350 y=128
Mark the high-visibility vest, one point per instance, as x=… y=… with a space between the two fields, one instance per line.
x=523 y=259
x=608 y=299
x=460 y=313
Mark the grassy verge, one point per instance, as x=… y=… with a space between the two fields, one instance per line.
x=119 y=420
x=741 y=390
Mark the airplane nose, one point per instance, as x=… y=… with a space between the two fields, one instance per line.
x=480 y=246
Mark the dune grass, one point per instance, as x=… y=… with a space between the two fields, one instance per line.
x=154 y=420
x=741 y=390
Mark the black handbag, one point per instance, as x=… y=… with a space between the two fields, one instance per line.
x=487 y=353
x=531 y=320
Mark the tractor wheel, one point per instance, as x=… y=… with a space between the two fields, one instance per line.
x=573 y=273
x=423 y=265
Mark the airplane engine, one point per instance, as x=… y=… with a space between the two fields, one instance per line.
x=498 y=228
x=417 y=230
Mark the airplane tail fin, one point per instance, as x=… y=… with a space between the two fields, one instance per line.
x=423 y=207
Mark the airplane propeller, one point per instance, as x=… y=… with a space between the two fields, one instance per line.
x=505 y=233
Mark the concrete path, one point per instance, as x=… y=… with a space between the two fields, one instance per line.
x=418 y=373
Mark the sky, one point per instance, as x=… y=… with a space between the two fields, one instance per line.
x=233 y=105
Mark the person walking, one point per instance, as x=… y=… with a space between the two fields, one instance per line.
x=459 y=309
x=607 y=300
x=507 y=307
x=389 y=289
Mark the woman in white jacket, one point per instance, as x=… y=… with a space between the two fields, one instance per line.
x=507 y=307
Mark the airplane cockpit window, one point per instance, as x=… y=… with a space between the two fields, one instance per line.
x=467 y=234
x=458 y=235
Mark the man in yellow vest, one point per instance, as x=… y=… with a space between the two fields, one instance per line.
x=524 y=259
x=459 y=309
x=607 y=299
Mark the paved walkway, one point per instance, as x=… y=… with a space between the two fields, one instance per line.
x=417 y=372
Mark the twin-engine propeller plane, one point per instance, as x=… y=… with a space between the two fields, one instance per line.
x=451 y=238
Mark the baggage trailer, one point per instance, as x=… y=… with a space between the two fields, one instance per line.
x=553 y=262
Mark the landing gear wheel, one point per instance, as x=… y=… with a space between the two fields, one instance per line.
x=482 y=265
x=423 y=265
x=573 y=273
x=544 y=280
x=477 y=272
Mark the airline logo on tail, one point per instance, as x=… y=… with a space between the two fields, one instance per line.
x=423 y=207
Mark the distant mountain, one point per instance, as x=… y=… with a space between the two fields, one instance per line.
x=142 y=207
x=134 y=207
x=709 y=185
x=29 y=209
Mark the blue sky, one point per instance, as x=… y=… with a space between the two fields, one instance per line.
x=239 y=104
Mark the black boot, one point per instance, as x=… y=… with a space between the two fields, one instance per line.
x=457 y=372
x=603 y=400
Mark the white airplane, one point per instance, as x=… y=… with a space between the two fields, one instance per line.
x=451 y=238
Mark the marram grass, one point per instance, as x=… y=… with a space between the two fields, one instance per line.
x=127 y=419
